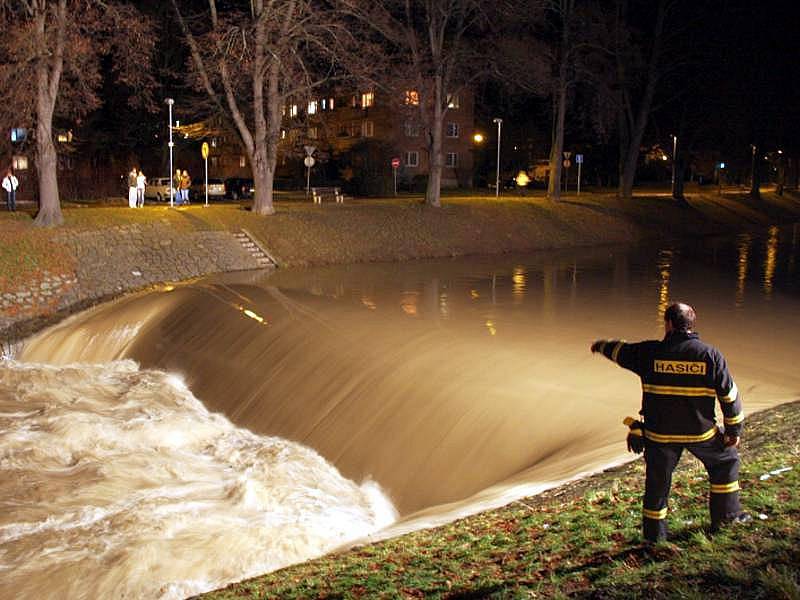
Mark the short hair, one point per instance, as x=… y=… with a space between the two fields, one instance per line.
x=682 y=316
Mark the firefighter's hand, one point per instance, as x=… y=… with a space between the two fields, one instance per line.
x=731 y=440
x=596 y=346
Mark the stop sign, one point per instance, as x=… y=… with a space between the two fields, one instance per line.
x=395 y=162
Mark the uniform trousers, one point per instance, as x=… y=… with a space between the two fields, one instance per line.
x=722 y=464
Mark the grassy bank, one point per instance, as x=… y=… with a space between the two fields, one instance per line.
x=582 y=540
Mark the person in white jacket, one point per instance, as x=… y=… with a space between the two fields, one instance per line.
x=141 y=182
x=132 y=188
x=10 y=185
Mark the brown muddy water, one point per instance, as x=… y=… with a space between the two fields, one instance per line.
x=171 y=442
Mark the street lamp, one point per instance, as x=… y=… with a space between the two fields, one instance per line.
x=170 y=102
x=499 y=122
x=674 y=152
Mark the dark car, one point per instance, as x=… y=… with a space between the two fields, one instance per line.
x=238 y=188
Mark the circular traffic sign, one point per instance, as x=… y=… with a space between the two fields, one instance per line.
x=567 y=164
x=395 y=162
x=309 y=161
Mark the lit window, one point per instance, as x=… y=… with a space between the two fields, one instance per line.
x=283 y=134
x=312 y=133
x=330 y=103
x=283 y=111
x=411 y=129
x=213 y=142
x=412 y=97
x=452 y=101
x=293 y=110
x=19 y=134
x=367 y=99
x=452 y=130
x=412 y=158
x=367 y=129
x=354 y=101
x=452 y=159
x=19 y=163
x=312 y=107
x=242 y=161
x=324 y=104
x=64 y=137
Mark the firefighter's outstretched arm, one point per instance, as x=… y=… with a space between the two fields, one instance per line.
x=618 y=351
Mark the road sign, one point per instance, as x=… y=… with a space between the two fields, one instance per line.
x=204 y=150
x=567 y=164
x=309 y=161
x=567 y=155
x=579 y=159
x=395 y=162
x=309 y=150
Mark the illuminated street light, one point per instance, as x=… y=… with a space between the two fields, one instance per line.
x=499 y=122
x=170 y=102
x=674 y=152
x=478 y=138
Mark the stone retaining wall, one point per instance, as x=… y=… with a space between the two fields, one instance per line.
x=117 y=260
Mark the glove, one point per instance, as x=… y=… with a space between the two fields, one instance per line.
x=598 y=346
x=635 y=437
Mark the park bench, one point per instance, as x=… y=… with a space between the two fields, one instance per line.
x=318 y=193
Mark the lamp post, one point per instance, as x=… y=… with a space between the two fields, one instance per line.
x=499 y=122
x=674 y=152
x=170 y=102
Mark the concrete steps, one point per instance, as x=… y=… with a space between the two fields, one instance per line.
x=254 y=249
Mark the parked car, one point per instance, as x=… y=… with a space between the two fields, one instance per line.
x=216 y=189
x=157 y=189
x=239 y=188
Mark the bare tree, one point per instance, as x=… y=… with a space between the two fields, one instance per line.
x=251 y=57
x=436 y=50
x=50 y=69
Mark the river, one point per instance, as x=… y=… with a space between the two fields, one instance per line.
x=173 y=441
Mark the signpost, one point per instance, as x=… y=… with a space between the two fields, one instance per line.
x=579 y=162
x=204 y=153
x=308 y=161
x=567 y=165
x=395 y=166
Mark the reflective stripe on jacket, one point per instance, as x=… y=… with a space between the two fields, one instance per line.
x=682 y=377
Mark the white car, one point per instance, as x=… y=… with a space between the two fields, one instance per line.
x=157 y=189
x=216 y=190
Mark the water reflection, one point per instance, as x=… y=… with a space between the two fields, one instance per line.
x=743 y=247
x=665 y=258
x=770 y=260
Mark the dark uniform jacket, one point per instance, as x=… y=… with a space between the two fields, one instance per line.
x=681 y=378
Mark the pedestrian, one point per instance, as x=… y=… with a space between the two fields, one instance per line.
x=10 y=185
x=176 y=187
x=132 y=187
x=681 y=377
x=141 y=183
x=186 y=183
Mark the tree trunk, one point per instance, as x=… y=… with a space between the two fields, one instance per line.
x=48 y=75
x=557 y=146
x=263 y=179
x=433 y=192
x=643 y=114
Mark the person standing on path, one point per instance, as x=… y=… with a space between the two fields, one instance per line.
x=141 y=182
x=186 y=183
x=681 y=378
x=132 y=187
x=176 y=187
x=10 y=185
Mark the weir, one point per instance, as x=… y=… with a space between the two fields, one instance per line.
x=452 y=385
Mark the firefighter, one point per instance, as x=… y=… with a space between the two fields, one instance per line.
x=681 y=377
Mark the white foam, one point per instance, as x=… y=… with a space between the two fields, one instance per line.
x=119 y=482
